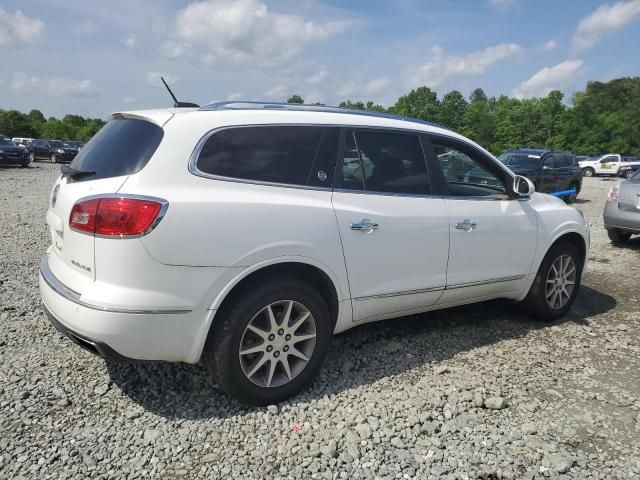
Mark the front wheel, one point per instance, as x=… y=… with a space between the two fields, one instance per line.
x=556 y=284
x=629 y=173
x=32 y=157
x=54 y=158
x=588 y=172
x=270 y=341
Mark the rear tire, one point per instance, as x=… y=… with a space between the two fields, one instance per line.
x=556 y=284
x=245 y=325
x=588 y=172
x=617 y=237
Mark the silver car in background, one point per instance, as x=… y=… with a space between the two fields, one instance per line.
x=622 y=210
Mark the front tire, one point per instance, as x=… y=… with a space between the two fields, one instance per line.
x=32 y=157
x=556 y=284
x=588 y=172
x=269 y=341
x=617 y=237
x=629 y=173
x=54 y=158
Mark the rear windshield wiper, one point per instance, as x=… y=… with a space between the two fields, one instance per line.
x=68 y=171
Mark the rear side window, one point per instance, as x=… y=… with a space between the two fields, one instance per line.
x=295 y=155
x=388 y=163
x=121 y=147
x=563 y=161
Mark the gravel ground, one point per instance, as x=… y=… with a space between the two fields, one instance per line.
x=474 y=392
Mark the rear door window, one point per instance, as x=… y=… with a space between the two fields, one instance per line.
x=122 y=147
x=385 y=162
x=295 y=155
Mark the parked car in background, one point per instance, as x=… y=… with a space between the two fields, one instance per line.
x=549 y=170
x=39 y=149
x=607 y=164
x=12 y=154
x=75 y=144
x=227 y=235
x=627 y=171
x=54 y=151
x=22 y=141
x=622 y=210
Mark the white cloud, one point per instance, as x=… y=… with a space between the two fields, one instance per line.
x=551 y=45
x=361 y=90
x=443 y=67
x=547 y=79
x=245 y=31
x=502 y=4
x=130 y=40
x=606 y=18
x=17 y=28
x=53 y=87
x=234 y=96
x=317 y=77
x=84 y=29
x=153 y=79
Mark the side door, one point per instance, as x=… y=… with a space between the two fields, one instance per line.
x=564 y=171
x=394 y=232
x=493 y=235
x=608 y=165
x=548 y=178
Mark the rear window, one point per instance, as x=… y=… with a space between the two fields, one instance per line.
x=296 y=155
x=121 y=147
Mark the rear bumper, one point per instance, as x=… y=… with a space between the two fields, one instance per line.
x=118 y=333
x=615 y=218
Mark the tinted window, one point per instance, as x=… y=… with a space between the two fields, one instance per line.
x=466 y=176
x=562 y=161
x=549 y=161
x=352 y=177
x=121 y=147
x=569 y=159
x=609 y=159
x=6 y=141
x=520 y=160
x=390 y=162
x=295 y=155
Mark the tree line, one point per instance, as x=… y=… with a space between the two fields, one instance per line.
x=603 y=118
x=35 y=125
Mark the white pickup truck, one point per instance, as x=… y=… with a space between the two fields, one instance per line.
x=606 y=165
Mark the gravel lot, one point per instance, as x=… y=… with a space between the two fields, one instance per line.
x=475 y=392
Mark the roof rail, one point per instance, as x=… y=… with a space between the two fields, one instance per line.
x=249 y=105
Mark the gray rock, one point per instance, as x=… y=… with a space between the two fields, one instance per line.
x=559 y=463
x=330 y=450
x=272 y=409
x=151 y=435
x=495 y=403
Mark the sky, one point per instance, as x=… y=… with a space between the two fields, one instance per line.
x=94 y=57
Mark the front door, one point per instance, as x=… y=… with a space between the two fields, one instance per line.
x=493 y=236
x=609 y=165
x=549 y=179
x=395 y=234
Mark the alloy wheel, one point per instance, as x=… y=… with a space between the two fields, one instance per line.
x=561 y=281
x=277 y=344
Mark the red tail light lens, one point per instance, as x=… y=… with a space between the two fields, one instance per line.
x=613 y=194
x=117 y=217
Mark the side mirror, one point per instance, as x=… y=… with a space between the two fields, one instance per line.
x=523 y=187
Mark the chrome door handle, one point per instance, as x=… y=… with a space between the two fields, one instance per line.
x=466 y=225
x=365 y=225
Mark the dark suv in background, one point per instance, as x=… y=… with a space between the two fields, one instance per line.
x=549 y=170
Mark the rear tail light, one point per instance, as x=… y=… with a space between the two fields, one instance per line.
x=613 y=194
x=115 y=216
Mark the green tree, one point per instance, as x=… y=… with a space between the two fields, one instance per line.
x=295 y=99
x=420 y=103
x=36 y=116
x=452 y=108
x=16 y=124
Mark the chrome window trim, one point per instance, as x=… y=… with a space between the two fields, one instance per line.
x=73 y=296
x=156 y=222
x=195 y=154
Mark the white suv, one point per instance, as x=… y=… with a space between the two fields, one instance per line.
x=244 y=235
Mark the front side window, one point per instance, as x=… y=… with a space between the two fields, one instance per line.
x=549 y=162
x=609 y=159
x=296 y=155
x=465 y=175
x=385 y=162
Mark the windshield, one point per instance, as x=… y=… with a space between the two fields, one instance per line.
x=519 y=160
x=56 y=144
x=6 y=141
